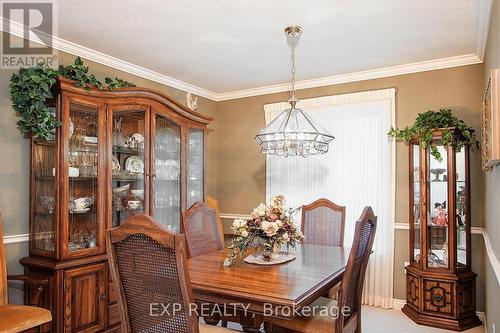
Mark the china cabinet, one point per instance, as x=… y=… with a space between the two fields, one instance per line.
x=439 y=281
x=117 y=153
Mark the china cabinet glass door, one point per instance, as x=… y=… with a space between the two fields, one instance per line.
x=129 y=163
x=416 y=224
x=461 y=203
x=195 y=167
x=437 y=211
x=167 y=173
x=84 y=135
x=44 y=192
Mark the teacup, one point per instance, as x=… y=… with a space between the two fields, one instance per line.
x=82 y=203
x=133 y=204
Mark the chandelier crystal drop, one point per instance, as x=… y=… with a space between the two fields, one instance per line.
x=293 y=132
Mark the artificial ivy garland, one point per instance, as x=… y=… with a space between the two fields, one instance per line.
x=30 y=89
x=428 y=121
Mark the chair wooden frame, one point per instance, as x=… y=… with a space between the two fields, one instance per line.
x=328 y=204
x=38 y=285
x=143 y=224
x=200 y=207
x=353 y=323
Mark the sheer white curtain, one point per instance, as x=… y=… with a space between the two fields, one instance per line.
x=358 y=171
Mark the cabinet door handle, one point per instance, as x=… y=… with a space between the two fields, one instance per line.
x=103 y=296
x=438 y=298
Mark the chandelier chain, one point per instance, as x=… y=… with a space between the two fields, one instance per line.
x=292 y=92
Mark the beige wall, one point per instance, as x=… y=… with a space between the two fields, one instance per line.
x=241 y=168
x=492 y=187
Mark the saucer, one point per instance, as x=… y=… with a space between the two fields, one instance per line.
x=80 y=211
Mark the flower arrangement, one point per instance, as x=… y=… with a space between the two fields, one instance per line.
x=270 y=228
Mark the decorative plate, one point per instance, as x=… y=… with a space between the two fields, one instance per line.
x=134 y=164
x=258 y=260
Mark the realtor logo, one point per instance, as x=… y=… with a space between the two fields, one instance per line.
x=28 y=28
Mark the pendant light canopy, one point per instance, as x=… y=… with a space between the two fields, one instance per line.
x=293 y=132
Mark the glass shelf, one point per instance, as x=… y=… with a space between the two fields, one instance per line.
x=127 y=179
x=127 y=150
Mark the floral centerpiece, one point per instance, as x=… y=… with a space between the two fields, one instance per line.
x=270 y=229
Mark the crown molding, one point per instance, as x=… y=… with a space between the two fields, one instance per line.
x=483 y=27
x=60 y=44
x=423 y=66
x=107 y=60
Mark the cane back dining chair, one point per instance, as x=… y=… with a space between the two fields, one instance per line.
x=203 y=232
x=323 y=223
x=148 y=267
x=350 y=292
x=20 y=318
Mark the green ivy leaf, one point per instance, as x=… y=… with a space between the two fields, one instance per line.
x=427 y=122
x=30 y=90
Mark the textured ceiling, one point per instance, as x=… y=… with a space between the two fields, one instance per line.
x=228 y=45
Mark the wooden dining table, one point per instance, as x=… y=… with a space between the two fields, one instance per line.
x=257 y=290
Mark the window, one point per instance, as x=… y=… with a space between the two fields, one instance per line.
x=358 y=171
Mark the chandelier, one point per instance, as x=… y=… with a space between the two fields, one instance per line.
x=293 y=132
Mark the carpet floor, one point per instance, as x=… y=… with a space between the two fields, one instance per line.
x=377 y=320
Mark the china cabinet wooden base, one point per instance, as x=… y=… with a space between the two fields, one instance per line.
x=117 y=153
x=442 y=302
x=440 y=286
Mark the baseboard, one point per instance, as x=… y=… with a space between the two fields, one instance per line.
x=398 y=303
